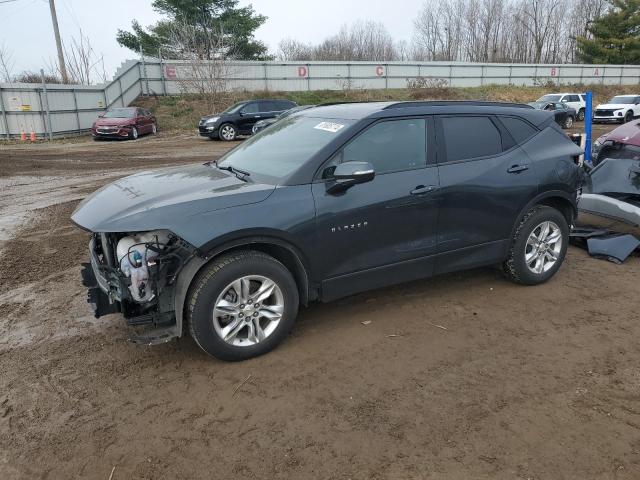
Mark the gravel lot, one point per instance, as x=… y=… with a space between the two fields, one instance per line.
x=461 y=376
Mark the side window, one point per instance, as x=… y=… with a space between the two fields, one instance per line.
x=269 y=106
x=520 y=130
x=390 y=146
x=470 y=137
x=575 y=98
x=282 y=106
x=250 y=108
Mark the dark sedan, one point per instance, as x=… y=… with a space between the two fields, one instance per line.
x=565 y=116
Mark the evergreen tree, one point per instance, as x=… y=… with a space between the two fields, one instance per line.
x=208 y=17
x=615 y=36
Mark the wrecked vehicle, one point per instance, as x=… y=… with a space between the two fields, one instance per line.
x=610 y=197
x=622 y=142
x=326 y=203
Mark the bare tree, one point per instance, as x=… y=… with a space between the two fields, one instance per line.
x=206 y=69
x=293 y=50
x=84 y=65
x=6 y=64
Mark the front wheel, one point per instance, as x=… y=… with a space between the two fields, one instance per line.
x=154 y=129
x=538 y=247
x=133 y=135
x=242 y=305
x=628 y=117
x=228 y=132
x=568 y=123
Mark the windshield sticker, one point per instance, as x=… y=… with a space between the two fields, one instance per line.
x=329 y=127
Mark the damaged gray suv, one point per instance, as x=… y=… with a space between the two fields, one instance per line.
x=327 y=203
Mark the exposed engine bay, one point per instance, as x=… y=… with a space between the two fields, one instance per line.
x=134 y=274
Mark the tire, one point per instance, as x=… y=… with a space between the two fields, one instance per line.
x=628 y=117
x=520 y=264
x=213 y=293
x=227 y=132
x=154 y=129
x=568 y=122
x=133 y=135
x=581 y=115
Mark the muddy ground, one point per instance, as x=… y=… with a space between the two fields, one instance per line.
x=462 y=376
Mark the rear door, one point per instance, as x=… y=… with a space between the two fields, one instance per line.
x=485 y=182
x=383 y=231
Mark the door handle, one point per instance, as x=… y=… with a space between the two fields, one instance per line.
x=518 y=168
x=424 y=189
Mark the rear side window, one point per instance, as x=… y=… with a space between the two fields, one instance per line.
x=520 y=130
x=470 y=137
x=270 y=106
x=389 y=146
x=284 y=105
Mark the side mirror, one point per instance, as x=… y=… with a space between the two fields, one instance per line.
x=348 y=174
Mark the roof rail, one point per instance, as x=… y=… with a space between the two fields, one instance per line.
x=329 y=104
x=444 y=103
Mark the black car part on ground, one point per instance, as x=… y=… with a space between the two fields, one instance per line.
x=610 y=204
x=614 y=248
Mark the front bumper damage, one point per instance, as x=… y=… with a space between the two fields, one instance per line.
x=110 y=289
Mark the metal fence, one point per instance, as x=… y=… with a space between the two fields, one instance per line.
x=49 y=110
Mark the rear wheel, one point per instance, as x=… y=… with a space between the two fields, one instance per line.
x=581 y=115
x=242 y=305
x=228 y=132
x=538 y=247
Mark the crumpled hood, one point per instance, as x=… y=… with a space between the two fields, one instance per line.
x=165 y=199
x=629 y=134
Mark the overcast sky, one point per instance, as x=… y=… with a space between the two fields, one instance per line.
x=26 y=31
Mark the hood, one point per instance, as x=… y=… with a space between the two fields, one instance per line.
x=629 y=134
x=613 y=106
x=165 y=199
x=116 y=122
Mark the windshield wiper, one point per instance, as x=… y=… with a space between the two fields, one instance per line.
x=241 y=174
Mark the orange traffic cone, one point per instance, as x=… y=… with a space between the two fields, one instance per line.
x=32 y=137
x=23 y=136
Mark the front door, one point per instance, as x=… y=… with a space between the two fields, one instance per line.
x=384 y=231
x=486 y=180
x=249 y=115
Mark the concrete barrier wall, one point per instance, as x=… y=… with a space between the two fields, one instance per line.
x=50 y=110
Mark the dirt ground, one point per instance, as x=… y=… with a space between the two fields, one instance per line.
x=461 y=376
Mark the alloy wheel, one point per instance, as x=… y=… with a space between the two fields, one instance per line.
x=543 y=247
x=134 y=133
x=248 y=310
x=228 y=132
x=569 y=122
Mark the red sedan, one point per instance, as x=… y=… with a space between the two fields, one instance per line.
x=126 y=122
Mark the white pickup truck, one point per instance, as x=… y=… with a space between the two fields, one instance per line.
x=621 y=108
x=577 y=101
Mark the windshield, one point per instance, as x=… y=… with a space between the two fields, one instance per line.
x=234 y=108
x=285 y=146
x=550 y=98
x=538 y=105
x=120 y=113
x=621 y=100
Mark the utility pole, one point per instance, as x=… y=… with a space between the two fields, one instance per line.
x=56 y=32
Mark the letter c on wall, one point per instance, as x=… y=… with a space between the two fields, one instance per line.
x=379 y=70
